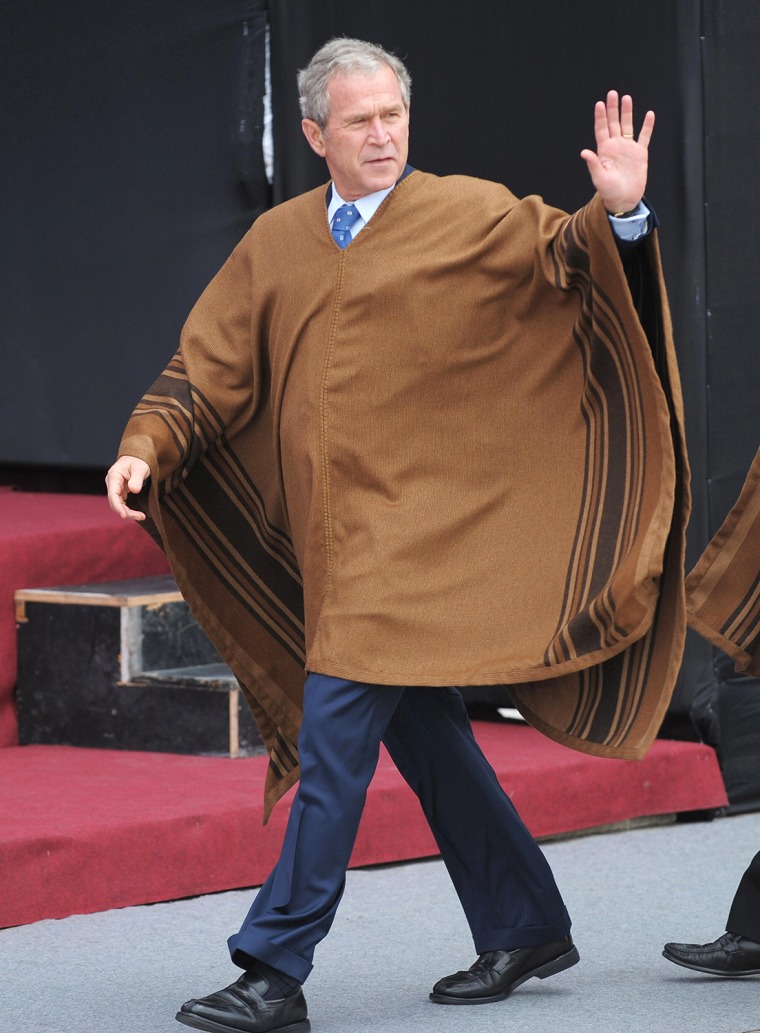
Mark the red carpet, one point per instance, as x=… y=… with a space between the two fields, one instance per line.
x=59 y=540
x=87 y=830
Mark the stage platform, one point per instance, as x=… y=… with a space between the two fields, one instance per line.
x=86 y=830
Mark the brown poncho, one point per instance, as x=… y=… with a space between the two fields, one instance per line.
x=448 y=455
x=723 y=590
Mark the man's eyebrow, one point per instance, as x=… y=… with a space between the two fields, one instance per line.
x=357 y=115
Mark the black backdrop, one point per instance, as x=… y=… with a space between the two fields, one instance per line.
x=130 y=168
x=127 y=175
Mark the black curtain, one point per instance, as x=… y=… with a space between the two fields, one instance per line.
x=131 y=165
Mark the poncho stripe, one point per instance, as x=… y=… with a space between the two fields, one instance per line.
x=723 y=590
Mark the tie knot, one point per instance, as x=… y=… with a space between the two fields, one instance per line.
x=343 y=220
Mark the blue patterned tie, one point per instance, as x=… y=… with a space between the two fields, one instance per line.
x=343 y=220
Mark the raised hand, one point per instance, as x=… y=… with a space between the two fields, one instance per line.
x=618 y=167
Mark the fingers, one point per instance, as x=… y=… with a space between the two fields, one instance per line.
x=127 y=475
x=646 y=129
x=613 y=113
x=618 y=113
x=614 y=119
x=117 y=493
x=135 y=482
x=117 y=504
x=601 y=123
x=626 y=115
x=116 y=496
x=129 y=514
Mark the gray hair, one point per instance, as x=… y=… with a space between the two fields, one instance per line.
x=344 y=56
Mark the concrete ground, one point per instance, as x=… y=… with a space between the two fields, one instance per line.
x=398 y=930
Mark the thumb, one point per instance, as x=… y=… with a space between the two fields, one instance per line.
x=136 y=481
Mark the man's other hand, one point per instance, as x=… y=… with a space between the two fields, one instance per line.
x=126 y=476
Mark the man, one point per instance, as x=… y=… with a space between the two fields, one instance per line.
x=723 y=593
x=416 y=437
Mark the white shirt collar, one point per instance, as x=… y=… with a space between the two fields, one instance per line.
x=366 y=206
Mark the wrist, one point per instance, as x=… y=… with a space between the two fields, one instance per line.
x=623 y=212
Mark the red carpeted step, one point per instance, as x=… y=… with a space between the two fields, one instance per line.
x=59 y=540
x=86 y=830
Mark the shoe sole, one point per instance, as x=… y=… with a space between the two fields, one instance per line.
x=711 y=971
x=216 y=1027
x=549 y=968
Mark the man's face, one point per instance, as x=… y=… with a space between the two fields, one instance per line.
x=366 y=139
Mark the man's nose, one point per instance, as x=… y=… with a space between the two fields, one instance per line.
x=377 y=130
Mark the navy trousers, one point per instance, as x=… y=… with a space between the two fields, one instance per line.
x=503 y=880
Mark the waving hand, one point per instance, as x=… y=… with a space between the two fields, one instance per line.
x=618 y=167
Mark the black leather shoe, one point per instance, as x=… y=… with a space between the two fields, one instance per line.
x=241 y=1008
x=497 y=973
x=729 y=955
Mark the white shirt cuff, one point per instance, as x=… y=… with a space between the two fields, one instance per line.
x=633 y=226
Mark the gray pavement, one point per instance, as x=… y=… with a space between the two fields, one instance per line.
x=399 y=928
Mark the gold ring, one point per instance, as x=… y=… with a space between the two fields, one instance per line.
x=628 y=136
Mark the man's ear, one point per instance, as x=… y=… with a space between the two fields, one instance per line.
x=314 y=135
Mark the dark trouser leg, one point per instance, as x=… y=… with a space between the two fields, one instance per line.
x=744 y=916
x=339 y=743
x=503 y=880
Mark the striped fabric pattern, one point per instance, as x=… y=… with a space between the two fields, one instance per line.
x=723 y=590
x=606 y=705
x=223 y=537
